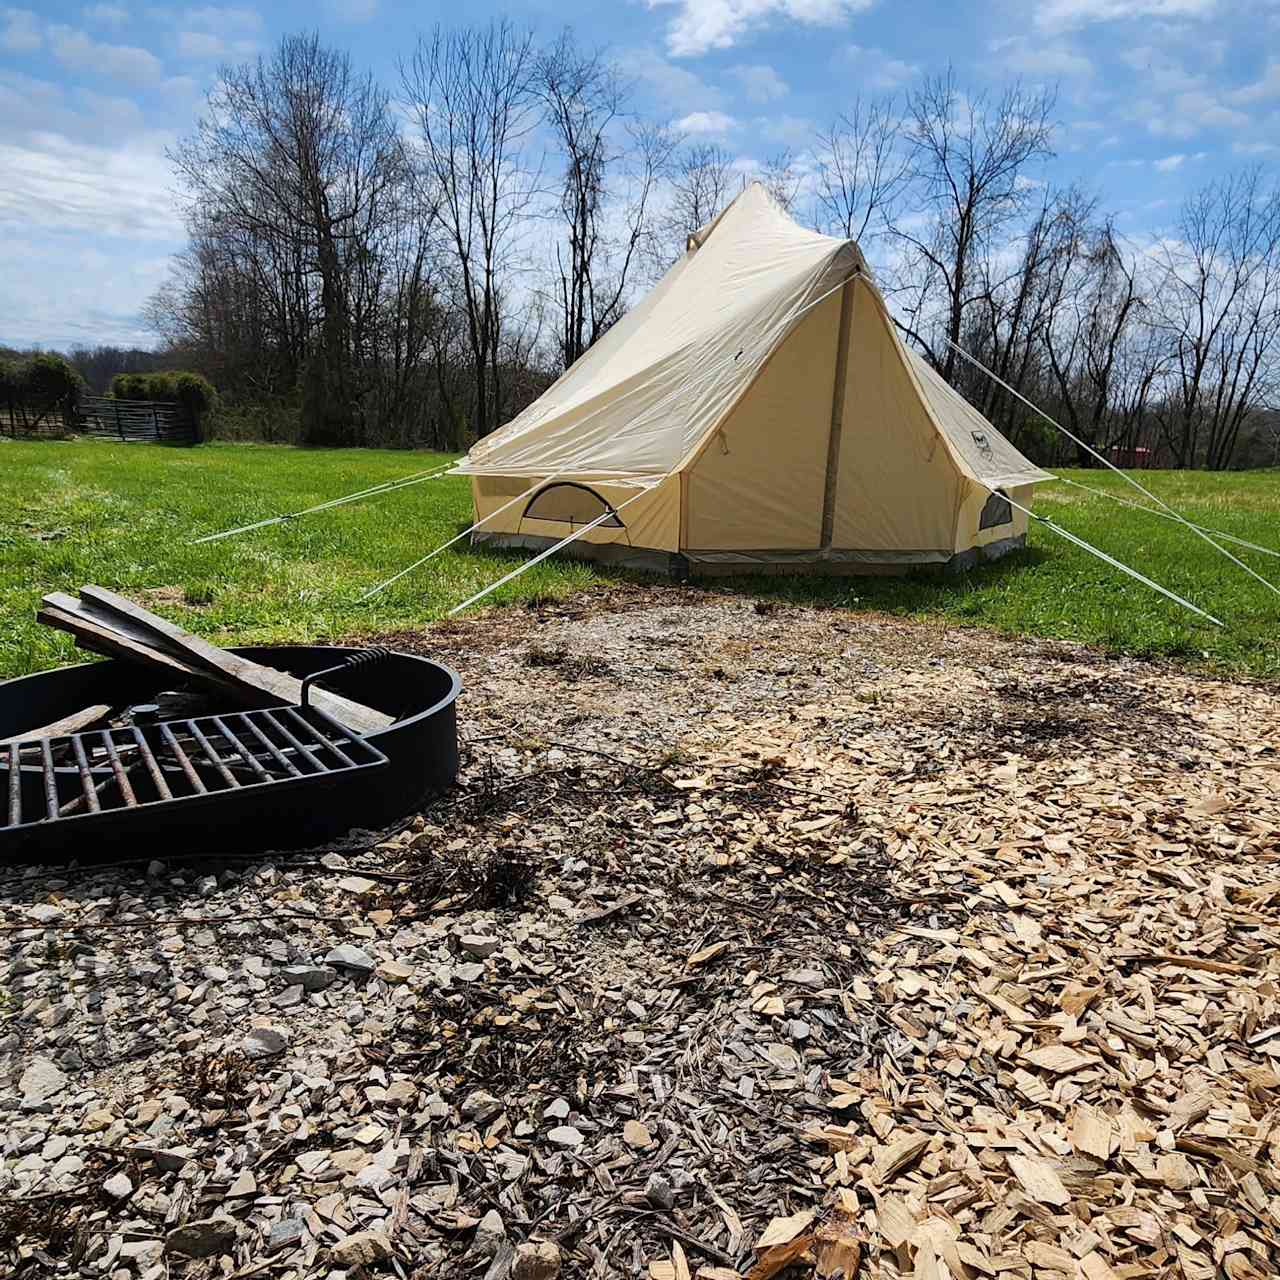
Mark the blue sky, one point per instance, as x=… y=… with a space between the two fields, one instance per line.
x=1156 y=97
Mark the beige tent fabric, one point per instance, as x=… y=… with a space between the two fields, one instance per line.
x=969 y=532
x=759 y=482
x=898 y=489
x=979 y=448
x=717 y=395
x=667 y=374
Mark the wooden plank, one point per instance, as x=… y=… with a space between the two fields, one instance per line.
x=230 y=666
x=76 y=722
x=93 y=636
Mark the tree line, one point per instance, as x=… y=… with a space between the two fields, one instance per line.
x=411 y=266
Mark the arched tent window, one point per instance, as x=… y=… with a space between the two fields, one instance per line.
x=573 y=504
x=997 y=511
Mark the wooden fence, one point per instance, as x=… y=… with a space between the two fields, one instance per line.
x=138 y=420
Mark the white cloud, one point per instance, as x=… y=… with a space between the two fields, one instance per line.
x=21 y=32
x=77 y=50
x=106 y=15
x=81 y=291
x=1169 y=163
x=706 y=123
x=1189 y=113
x=1177 y=103
x=63 y=186
x=674 y=88
x=1026 y=57
x=1253 y=148
x=792 y=132
x=30 y=108
x=719 y=24
x=760 y=82
x=181 y=87
x=1266 y=86
x=205 y=46
x=875 y=69
x=1065 y=14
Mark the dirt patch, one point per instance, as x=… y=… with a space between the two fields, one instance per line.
x=959 y=946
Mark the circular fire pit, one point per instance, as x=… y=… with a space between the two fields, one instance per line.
x=420 y=750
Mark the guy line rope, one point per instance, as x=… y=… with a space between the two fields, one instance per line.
x=1102 y=555
x=1142 y=489
x=373 y=491
x=1164 y=515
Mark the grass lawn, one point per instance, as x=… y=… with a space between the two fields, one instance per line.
x=122 y=516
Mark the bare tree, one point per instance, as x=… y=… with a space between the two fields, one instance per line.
x=1220 y=306
x=1012 y=306
x=862 y=169
x=611 y=169
x=1097 y=304
x=968 y=157
x=781 y=177
x=472 y=93
x=1270 y=433
x=703 y=183
x=297 y=152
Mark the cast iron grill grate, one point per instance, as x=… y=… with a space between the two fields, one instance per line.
x=86 y=776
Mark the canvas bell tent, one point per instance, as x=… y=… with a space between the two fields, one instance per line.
x=756 y=410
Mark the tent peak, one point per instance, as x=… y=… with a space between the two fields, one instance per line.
x=756 y=208
x=753 y=193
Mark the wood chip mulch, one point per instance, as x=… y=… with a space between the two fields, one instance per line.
x=764 y=940
x=969 y=945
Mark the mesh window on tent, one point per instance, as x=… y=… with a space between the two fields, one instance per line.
x=571 y=503
x=997 y=511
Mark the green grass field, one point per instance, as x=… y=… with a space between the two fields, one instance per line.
x=122 y=516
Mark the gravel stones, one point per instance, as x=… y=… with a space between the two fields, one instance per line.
x=41 y=1081
x=118 y=1186
x=491 y=1232
x=362 y=1249
x=565 y=1135
x=480 y=1105
x=536 y=1260
x=285 y=1234
x=264 y=1042
x=394 y=972
x=202 y=1237
x=311 y=978
x=351 y=958
x=635 y=1133
x=659 y=1193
